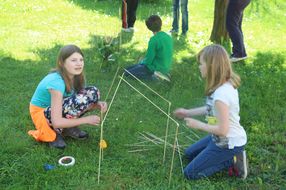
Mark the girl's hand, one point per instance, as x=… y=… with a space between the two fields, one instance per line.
x=193 y=123
x=102 y=106
x=92 y=120
x=181 y=113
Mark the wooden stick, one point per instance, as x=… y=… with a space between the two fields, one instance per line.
x=189 y=129
x=173 y=155
x=112 y=98
x=150 y=101
x=138 y=150
x=166 y=134
x=181 y=162
x=115 y=76
x=146 y=141
x=149 y=138
x=159 y=139
x=147 y=86
x=99 y=164
x=101 y=131
x=191 y=139
x=139 y=145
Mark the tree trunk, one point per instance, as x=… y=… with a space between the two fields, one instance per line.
x=219 y=33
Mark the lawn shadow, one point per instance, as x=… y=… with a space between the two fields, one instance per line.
x=112 y=50
x=263 y=87
x=113 y=8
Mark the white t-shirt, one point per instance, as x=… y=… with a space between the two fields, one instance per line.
x=236 y=135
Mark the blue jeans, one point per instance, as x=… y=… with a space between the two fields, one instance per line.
x=233 y=25
x=176 y=15
x=140 y=71
x=206 y=158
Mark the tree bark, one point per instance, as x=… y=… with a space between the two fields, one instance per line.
x=219 y=33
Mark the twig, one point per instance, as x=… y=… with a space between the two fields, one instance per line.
x=138 y=150
x=197 y=136
x=139 y=145
x=191 y=139
x=149 y=138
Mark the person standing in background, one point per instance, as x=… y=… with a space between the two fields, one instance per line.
x=129 y=8
x=234 y=17
x=176 y=16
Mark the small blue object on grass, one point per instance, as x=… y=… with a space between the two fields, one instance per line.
x=48 y=167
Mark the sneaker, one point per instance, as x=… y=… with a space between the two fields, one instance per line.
x=235 y=59
x=126 y=30
x=58 y=142
x=174 y=32
x=162 y=76
x=131 y=29
x=75 y=133
x=240 y=165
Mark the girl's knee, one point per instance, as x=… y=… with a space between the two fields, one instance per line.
x=91 y=89
x=92 y=93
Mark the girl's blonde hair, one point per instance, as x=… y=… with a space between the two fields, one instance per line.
x=79 y=80
x=219 y=68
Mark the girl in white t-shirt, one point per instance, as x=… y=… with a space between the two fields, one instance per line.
x=224 y=147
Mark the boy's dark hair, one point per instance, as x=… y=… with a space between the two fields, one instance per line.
x=154 y=23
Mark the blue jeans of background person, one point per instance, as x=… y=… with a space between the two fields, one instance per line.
x=206 y=158
x=140 y=71
x=176 y=15
x=233 y=25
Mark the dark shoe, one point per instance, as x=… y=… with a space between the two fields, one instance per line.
x=75 y=133
x=58 y=142
x=240 y=165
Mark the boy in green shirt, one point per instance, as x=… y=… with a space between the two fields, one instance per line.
x=158 y=59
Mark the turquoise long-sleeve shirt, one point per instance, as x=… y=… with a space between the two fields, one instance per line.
x=159 y=53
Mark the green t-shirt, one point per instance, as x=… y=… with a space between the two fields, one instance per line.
x=42 y=96
x=159 y=53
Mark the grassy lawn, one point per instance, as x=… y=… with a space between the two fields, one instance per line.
x=31 y=34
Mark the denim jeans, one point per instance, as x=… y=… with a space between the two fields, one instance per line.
x=176 y=15
x=140 y=71
x=233 y=25
x=206 y=158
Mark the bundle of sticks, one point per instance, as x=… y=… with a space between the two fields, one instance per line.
x=149 y=141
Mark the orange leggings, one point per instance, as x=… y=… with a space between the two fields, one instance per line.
x=43 y=131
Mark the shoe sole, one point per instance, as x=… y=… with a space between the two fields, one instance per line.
x=244 y=166
x=76 y=138
x=58 y=147
x=237 y=59
x=161 y=76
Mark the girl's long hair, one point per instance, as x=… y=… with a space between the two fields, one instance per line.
x=219 y=68
x=79 y=80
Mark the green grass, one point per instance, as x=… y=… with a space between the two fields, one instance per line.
x=31 y=34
